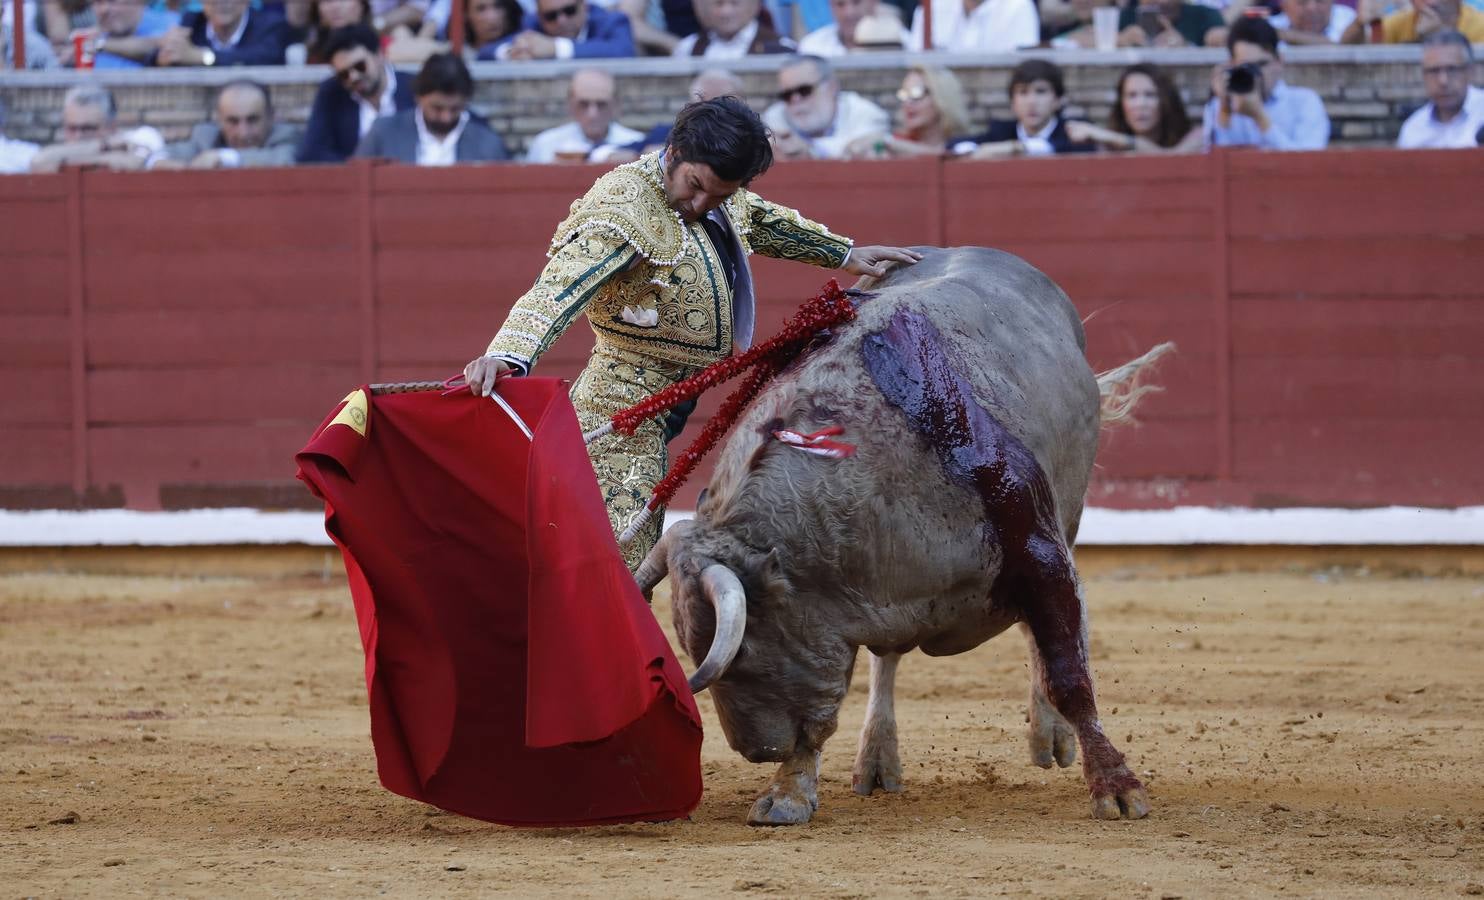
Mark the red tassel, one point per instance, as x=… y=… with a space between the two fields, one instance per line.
x=829 y=308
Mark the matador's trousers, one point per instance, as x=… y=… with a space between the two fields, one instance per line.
x=628 y=467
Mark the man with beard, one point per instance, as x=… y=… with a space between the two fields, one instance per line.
x=813 y=118
x=656 y=255
x=440 y=130
x=363 y=89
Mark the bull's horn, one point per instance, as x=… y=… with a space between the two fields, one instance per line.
x=656 y=565
x=725 y=592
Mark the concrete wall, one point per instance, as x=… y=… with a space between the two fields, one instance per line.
x=1367 y=90
x=171 y=339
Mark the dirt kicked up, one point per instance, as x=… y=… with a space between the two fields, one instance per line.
x=1307 y=734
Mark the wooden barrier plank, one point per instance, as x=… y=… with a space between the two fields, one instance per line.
x=30 y=339
x=34 y=284
x=219 y=394
x=35 y=395
x=32 y=227
x=235 y=277
x=36 y=455
x=1360 y=453
x=1400 y=265
x=184 y=228
x=1404 y=390
x=198 y=454
x=1159 y=448
x=225 y=337
x=1335 y=205
x=1356 y=328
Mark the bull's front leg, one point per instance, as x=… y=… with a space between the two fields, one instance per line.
x=1057 y=617
x=877 y=764
x=1052 y=738
x=793 y=794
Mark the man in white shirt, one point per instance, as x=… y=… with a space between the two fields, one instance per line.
x=980 y=26
x=90 y=136
x=592 y=101
x=439 y=130
x=813 y=118
x=838 y=38
x=15 y=156
x=730 y=29
x=1311 y=22
x=1455 y=113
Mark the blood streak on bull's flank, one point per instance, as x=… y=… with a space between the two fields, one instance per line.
x=907 y=361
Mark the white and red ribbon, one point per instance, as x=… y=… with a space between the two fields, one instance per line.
x=818 y=443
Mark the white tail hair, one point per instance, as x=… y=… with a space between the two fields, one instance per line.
x=1121 y=388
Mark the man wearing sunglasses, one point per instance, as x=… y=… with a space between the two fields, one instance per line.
x=656 y=255
x=570 y=29
x=813 y=118
x=362 y=89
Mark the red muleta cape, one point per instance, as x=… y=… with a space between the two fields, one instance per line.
x=515 y=672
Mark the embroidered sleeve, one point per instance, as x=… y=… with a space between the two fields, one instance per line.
x=782 y=233
x=571 y=278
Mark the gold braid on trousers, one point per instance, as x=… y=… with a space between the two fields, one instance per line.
x=628 y=466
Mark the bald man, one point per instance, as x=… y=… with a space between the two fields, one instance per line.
x=592 y=102
x=243 y=133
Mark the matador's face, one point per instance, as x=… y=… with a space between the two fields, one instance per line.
x=693 y=189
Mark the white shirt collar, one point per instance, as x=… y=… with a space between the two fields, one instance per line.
x=218 y=44
x=386 y=105
x=433 y=150
x=736 y=47
x=1043 y=135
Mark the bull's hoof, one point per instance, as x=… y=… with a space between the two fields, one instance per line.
x=778 y=808
x=1052 y=740
x=1129 y=803
x=877 y=771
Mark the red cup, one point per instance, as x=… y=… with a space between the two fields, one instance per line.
x=82 y=50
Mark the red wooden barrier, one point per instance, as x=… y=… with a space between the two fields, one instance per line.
x=170 y=339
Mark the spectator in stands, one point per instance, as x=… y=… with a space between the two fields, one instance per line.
x=880 y=31
x=568 y=29
x=243 y=135
x=1072 y=28
x=440 y=130
x=1454 y=113
x=813 y=118
x=363 y=88
x=227 y=33
x=389 y=15
x=838 y=38
x=322 y=18
x=1149 y=116
x=1411 y=25
x=487 y=22
x=1037 y=95
x=1252 y=106
x=931 y=118
x=707 y=85
x=15 y=156
x=1312 y=22
x=91 y=137
x=732 y=29
x=128 y=33
x=39 y=53
x=60 y=19
x=592 y=100
x=980 y=26
x=1170 y=23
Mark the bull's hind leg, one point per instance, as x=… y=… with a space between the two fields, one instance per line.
x=1052 y=738
x=1057 y=617
x=877 y=764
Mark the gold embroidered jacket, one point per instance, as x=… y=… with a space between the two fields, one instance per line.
x=650 y=282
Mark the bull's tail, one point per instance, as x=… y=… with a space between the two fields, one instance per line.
x=1122 y=386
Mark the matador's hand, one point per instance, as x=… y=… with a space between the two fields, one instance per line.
x=482 y=373
x=877 y=260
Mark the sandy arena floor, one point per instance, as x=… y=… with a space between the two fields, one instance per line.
x=1308 y=734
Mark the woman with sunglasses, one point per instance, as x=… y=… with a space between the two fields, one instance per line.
x=1149 y=116
x=932 y=117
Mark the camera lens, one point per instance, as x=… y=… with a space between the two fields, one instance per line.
x=1240 y=80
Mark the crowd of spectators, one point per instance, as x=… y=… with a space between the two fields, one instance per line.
x=421 y=113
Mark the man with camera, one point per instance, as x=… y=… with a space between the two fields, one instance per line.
x=1251 y=106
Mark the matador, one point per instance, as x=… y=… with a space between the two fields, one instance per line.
x=656 y=254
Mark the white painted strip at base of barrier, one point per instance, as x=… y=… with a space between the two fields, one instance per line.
x=1400 y=525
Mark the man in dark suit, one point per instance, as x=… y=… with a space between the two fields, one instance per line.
x=568 y=29
x=1037 y=94
x=440 y=130
x=363 y=89
x=242 y=135
x=227 y=33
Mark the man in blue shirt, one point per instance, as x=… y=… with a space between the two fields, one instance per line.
x=1252 y=106
x=128 y=33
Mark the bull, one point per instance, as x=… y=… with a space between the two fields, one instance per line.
x=964 y=385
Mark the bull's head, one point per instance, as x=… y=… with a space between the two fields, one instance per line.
x=764 y=687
